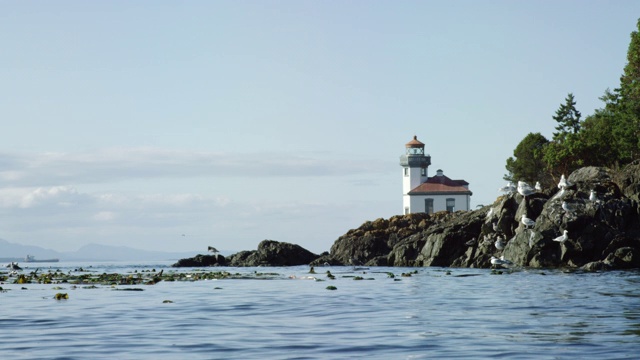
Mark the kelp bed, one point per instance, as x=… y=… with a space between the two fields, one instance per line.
x=144 y=277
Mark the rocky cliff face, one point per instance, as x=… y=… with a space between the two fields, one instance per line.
x=602 y=233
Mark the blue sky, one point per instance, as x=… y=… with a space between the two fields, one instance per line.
x=133 y=123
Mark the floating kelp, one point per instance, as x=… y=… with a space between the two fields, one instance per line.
x=61 y=296
x=331 y=287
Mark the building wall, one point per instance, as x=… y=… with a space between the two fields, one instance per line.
x=413 y=180
x=416 y=203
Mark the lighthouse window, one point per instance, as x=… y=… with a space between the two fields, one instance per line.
x=451 y=204
x=423 y=171
x=428 y=206
x=406 y=171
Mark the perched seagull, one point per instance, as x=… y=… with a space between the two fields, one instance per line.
x=505 y=261
x=559 y=194
x=593 y=197
x=500 y=243
x=538 y=186
x=527 y=222
x=525 y=189
x=563 y=183
x=568 y=207
x=561 y=239
x=501 y=262
x=495 y=226
x=508 y=189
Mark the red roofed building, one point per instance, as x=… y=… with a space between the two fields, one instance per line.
x=422 y=193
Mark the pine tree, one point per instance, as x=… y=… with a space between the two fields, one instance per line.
x=568 y=118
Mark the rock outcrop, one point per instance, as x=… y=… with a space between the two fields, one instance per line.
x=269 y=253
x=603 y=232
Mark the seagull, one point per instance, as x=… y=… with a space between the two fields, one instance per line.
x=538 y=186
x=527 y=222
x=471 y=242
x=525 y=189
x=568 y=207
x=505 y=261
x=508 y=189
x=500 y=261
x=213 y=250
x=593 y=197
x=495 y=226
x=563 y=183
x=500 y=243
x=561 y=239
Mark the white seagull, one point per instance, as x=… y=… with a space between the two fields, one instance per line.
x=525 y=189
x=593 y=197
x=563 y=183
x=500 y=243
x=527 y=222
x=562 y=238
x=501 y=261
x=538 y=186
x=508 y=189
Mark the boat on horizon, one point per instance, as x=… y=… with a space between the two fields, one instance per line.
x=32 y=259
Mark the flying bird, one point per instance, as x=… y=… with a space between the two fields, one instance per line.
x=212 y=249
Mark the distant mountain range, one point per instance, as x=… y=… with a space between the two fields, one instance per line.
x=90 y=252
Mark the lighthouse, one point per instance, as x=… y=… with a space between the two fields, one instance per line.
x=415 y=164
x=421 y=193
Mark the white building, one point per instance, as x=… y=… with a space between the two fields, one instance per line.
x=421 y=193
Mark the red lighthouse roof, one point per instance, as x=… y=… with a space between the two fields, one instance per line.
x=415 y=143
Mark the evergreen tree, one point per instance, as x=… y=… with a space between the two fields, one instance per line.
x=568 y=118
x=623 y=106
x=528 y=164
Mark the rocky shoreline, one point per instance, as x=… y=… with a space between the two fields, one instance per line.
x=603 y=232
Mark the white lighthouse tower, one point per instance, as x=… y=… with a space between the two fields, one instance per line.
x=414 y=170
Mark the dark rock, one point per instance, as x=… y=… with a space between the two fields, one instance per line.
x=603 y=234
x=269 y=253
x=202 y=260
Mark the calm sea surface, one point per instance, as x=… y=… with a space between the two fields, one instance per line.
x=434 y=313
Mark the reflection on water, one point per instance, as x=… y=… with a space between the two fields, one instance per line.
x=434 y=313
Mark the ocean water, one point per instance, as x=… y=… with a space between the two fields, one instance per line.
x=434 y=313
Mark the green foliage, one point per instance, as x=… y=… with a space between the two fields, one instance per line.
x=568 y=119
x=610 y=137
x=528 y=164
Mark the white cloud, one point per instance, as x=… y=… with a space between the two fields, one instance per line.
x=103 y=166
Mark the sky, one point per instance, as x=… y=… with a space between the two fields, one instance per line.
x=178 y=125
